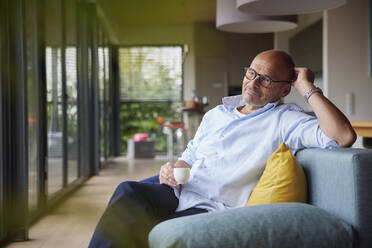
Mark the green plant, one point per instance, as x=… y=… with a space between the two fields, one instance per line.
x=141 y=118
x=150 y=85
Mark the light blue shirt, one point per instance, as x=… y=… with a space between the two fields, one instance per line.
x=228 y=153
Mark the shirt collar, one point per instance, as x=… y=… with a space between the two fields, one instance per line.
x=236 y=101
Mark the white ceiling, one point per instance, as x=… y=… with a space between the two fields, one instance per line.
x=119 y=14
x=158 y=12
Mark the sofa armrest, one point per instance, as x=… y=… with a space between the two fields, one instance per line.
x=269 y=225
x=340 y=182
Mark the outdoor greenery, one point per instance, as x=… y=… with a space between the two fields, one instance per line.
x=150 y=87
x=150 y=73
x=141 y=118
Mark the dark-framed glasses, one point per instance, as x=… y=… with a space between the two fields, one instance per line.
x=264 y=80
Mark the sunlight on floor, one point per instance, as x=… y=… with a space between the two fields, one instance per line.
x=72 y=223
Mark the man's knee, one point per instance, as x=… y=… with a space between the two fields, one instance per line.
x=132 y=192
x=123 y=190
x=125 y=186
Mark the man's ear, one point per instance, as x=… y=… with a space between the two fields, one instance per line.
x=285 y=91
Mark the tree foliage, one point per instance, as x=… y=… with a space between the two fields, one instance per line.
x=141 y=118
x=150 y=86
x=151 y=73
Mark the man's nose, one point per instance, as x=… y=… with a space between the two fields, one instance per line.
x=256 y=82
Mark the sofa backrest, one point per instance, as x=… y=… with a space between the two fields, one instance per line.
x=340 y=182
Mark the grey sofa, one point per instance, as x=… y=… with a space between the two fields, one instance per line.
x=338 y=213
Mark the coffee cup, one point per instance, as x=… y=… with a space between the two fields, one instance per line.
x=181 y=175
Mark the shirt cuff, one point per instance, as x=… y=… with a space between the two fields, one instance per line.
x=328 y=143
x=187 y=159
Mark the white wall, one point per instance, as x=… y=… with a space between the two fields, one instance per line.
x=220 y=58
x=281 y=42
x=346 y=54
x=281 y=39
x=210 y=63
x=346 y=62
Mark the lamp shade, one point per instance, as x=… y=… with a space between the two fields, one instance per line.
x=230 y=19
x=286 y=7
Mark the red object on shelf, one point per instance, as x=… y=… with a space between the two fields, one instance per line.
x=140 y=137
x=171 y=124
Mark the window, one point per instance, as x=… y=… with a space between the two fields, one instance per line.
x=54 y=118
x=103 y=104
x=53 y=28
x=71 y=91
x=107 y=112
x=150 y=73
x=72 y=135
x=33 y=107
x=150 y=87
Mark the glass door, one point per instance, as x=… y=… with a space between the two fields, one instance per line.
x=71 y=90
x=53 y=59
x=102 y=104
x=107 y=103
x=33 y=106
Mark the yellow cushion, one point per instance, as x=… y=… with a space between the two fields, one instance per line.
x=283 y=180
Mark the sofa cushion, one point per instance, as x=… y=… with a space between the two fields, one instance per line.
x=279 y=225
x=283 y=180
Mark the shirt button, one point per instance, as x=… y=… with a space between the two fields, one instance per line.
x=195 y=180
x=221 y=136
x=204 y=166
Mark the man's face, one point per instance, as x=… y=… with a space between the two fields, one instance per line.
x=258 y=96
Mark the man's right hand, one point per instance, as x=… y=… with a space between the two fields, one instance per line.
x=304 y=80
x=166 y=175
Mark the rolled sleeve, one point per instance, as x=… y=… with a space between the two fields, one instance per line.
x=189 y=155
x=300 y=130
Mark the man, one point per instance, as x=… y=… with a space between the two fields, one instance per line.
x=229 y=152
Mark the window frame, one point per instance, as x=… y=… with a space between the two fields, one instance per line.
x=2 y=178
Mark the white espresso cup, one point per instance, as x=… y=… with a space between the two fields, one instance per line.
x=181 y=175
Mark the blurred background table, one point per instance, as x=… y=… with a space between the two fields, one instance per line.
x=364 y=130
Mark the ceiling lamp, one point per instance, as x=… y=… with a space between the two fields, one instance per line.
x=230 y=19
x=286 y=7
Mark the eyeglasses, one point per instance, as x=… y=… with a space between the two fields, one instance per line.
x=265 y=81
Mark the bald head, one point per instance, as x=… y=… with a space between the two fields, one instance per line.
x=279 y=67
x=279 y=62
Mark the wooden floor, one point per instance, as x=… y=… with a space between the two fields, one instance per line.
x=72 y=223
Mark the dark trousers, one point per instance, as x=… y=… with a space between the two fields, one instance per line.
x=134 y=209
